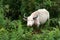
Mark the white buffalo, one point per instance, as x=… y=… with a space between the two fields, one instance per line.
x=37 y=18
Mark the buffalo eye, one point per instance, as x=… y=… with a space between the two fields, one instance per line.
x=35 y=17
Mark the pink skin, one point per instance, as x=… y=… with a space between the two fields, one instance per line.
x=38 y=17
x=36 y=22
x=31 y=21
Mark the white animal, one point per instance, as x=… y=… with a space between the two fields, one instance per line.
x=38 y=17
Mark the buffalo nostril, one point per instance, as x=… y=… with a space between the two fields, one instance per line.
x=29 y=25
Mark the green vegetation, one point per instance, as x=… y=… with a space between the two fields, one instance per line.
x=13 y=27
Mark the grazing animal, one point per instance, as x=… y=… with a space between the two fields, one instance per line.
x=37 y=18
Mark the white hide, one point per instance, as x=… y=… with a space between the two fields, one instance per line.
x=42 y=17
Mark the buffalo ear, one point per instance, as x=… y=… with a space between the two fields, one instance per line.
x=25 y=19
x=35 y=17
